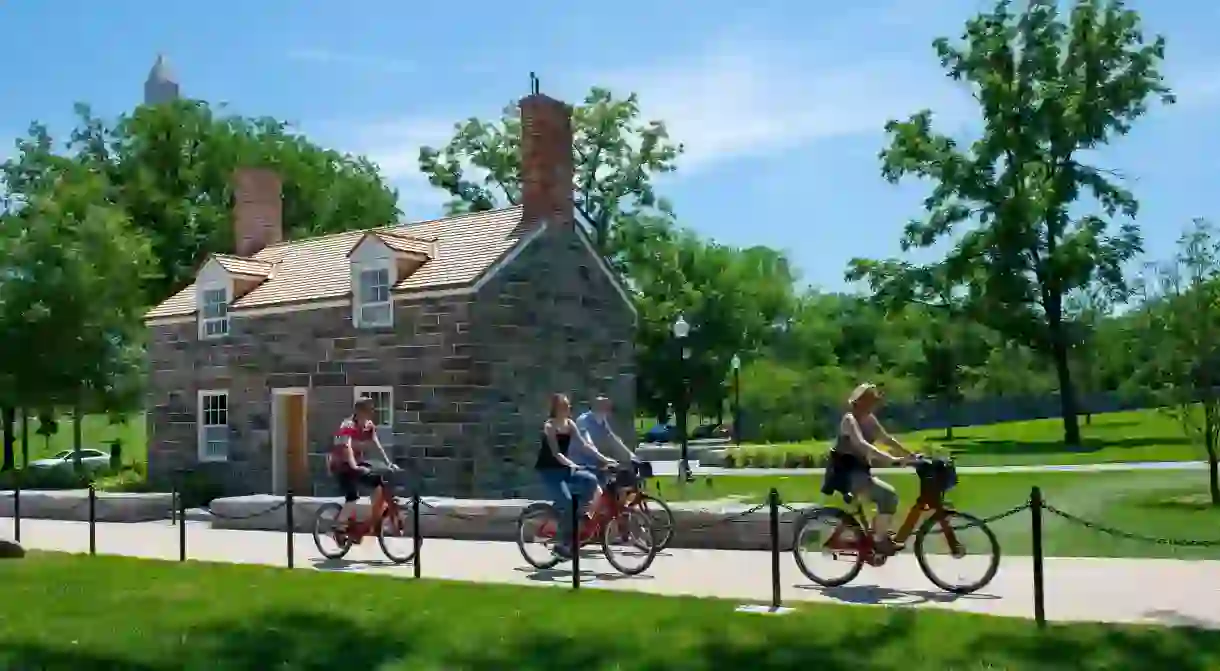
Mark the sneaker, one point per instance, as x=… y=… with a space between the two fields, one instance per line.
x=888 y=546
x=562 y=551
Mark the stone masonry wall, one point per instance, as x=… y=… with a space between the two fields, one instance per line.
x=549 y=322
x=316 y=349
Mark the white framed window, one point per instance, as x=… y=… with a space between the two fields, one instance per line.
x=213 y=421
x=373 y=307
x=214 y=312
x=383 y=410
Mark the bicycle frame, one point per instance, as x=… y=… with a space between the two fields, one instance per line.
x=359 y=529
x=605 y=508
x=865 y=545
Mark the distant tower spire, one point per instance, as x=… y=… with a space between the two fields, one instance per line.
x=160 y=87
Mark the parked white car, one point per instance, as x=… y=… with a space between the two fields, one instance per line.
x=91 y=460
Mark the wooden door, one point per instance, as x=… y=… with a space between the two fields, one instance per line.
x=295 y=448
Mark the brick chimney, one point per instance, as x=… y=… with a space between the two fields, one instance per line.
x=258 y=210
x=546 y=159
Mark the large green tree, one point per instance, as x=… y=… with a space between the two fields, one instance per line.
x=1050 y=89
x=617 y=155
x=70 y=300
x=170 y=168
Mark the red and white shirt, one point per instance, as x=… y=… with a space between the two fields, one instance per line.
x=350 y=429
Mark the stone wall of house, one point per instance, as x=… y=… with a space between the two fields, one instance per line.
x=315 y=349
x=549 y=322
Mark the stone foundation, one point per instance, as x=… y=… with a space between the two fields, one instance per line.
x=73 y=504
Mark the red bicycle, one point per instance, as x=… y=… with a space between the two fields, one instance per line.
x=392 y=525
x=608 y=520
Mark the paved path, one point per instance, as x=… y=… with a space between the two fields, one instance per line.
x=671 y=468
x=1117 y=590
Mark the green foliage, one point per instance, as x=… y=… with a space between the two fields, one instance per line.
x=1048 y=87
x=1182 y=317
x=616 y=156
x=170 y=169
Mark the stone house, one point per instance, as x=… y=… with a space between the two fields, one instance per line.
x=458 y=328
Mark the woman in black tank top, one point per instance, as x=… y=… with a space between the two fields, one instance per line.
x=560 y=475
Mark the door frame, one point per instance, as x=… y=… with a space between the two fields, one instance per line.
x=279 y=452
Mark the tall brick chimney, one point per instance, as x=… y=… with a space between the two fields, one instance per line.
x=258 y=210
x=546 y=159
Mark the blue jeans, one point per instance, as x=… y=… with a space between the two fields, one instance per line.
x=561 y=485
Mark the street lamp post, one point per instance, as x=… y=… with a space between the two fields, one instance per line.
x=736 y=364
x=681 y=331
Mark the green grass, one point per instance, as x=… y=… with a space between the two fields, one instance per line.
x=87 y=614
x=96 y=431
x=1167 y=504
x=1142 y=435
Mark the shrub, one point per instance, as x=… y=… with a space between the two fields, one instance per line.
x=782 y=455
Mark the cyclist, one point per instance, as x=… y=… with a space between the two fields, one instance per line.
x=599 y=440
x=854 y=453
x=561 y=476
x=346 y=461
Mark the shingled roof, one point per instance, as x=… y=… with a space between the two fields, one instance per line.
x=462 y=248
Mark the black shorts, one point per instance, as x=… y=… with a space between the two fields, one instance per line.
x=350 y=482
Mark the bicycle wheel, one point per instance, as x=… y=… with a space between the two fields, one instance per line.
x=324 y=523
x=933 y=546
x=661 y=517
x=396 y=534
x=629 y=542
x=826 y=547
x=537 y=527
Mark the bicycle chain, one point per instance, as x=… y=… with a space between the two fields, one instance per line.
x=1171 y=542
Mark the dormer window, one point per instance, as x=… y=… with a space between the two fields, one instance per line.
x=214 y=312
x=373 y=297
x=380 y=261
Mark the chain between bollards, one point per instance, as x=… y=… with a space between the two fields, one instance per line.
x=291 y=524
x=419 y=539
x=574 y=548
x=92 y=520
x=1035 y=511
x=773 y=500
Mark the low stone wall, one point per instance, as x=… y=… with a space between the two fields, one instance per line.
x=719 y=525
x=73 y=504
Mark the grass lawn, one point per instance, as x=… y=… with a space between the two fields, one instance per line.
x=1142 y=435
x=74 y=613
x=1170 y=504
x=96 y=431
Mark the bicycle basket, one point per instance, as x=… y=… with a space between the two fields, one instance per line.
x=936 y=476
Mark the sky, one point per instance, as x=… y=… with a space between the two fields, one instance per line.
x=780 y=104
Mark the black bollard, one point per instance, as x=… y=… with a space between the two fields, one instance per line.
x=1035 y=510
x=92 y=520
x=773 y=499
x=181 y=528
x=291 y=523
x=17 y=505
x=173 y=504
x=575 y=542
x=419 y=538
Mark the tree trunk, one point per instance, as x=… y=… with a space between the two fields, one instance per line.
x=10 y=439
x=1213 y=464
x=1067 y=393
x=25 y=438
x=76 y=439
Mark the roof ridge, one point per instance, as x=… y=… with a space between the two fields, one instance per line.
x=387 y=227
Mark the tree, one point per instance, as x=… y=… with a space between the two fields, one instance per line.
x=1183 y=319
x=1050 y=88
x=1085 y=310
x=616 y=155
x=169 y=168
x=71 y=300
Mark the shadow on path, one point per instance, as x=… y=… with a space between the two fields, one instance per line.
x=884 y=596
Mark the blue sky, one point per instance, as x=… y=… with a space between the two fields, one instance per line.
x=780 y=103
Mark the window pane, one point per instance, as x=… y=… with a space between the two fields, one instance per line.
x=216 y=448
x=215 y=327
x=375 y=314
x=216 y=434
x=375 y=286
x=215 y=303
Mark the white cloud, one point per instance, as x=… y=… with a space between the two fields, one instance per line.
x=363 y=62
x=394 y=147
x=742 y=99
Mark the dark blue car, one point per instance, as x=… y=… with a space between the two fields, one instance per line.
x=660 y=433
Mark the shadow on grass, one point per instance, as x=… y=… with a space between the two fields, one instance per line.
x=1195 y=502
